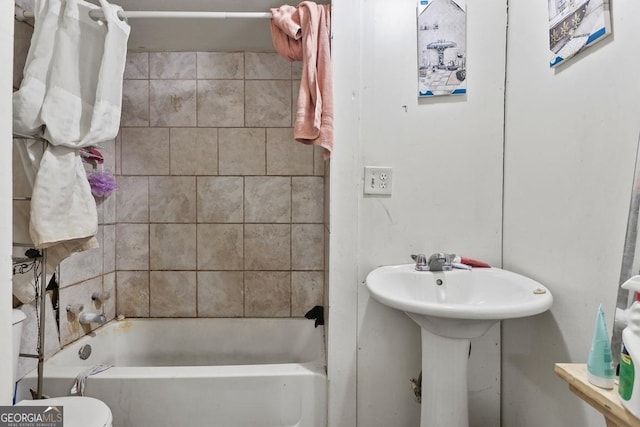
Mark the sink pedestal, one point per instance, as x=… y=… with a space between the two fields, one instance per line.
x=444 y=381
x=445 y=359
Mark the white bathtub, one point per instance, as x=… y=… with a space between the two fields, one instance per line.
x=200 y=372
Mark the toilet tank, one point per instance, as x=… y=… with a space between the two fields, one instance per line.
x=17 y=320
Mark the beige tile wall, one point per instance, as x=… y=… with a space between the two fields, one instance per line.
x=219 y=212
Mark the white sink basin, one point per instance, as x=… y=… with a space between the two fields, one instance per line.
x=452 y=307
x=458 y=303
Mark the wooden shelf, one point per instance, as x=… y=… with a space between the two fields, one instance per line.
x=607 y=402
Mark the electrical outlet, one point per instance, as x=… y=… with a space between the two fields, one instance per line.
x=378 y=180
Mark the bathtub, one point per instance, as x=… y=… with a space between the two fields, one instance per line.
x=199 y=372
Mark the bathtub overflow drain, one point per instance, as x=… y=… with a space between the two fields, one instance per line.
x=84 y=352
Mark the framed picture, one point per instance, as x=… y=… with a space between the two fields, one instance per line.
x=574 y=25
x=442 y=48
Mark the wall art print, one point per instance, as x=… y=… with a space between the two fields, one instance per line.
x=442 y=48
x=574 y=25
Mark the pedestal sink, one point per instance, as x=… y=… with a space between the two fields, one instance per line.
x=452 y=307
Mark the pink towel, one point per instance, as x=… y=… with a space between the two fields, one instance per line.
x=303 y=33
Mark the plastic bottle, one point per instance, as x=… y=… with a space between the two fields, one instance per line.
x=600 y=370
x=629 y=387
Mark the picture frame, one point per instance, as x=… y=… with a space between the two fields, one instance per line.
x=442 y=47
x=575 y=25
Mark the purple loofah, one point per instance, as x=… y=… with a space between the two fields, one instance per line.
x=102 y=184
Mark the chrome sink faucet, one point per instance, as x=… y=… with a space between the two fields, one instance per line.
x=440 y=262
x=436 y=262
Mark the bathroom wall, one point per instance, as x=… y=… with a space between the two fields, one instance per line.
x=344 y=184
x=219 y=211
x=447 y=158
x=571 y=140
x=6 y=62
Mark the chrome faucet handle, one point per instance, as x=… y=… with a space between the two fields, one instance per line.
x=440 y=262
x=421 y=262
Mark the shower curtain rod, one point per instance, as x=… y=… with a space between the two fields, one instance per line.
x=22 y=14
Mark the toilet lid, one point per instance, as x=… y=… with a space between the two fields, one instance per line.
x=79 y=411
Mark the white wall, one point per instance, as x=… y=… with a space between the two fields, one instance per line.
x=571 y=137
x=447 y=196
x=6 y=70
x=343 y=182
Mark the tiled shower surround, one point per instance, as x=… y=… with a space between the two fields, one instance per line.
x=219 y=212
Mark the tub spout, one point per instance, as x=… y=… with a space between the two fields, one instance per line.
x=88 y=318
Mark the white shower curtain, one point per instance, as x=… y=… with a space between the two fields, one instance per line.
x=71 y=95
